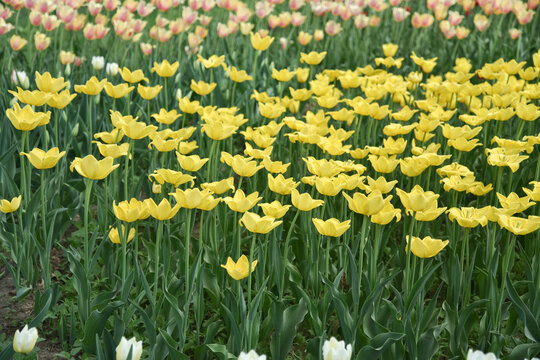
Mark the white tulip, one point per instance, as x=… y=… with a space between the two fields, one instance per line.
x=98 y=62
x=20 y=78
x=112 y=69
x=252 y=355
x=479 y=355
x=122 y=350
x=25 y=340
x=336 y=350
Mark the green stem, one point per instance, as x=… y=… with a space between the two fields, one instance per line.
x=87 y=193
x=156 y=259
x=286 y=253
x=46 y=263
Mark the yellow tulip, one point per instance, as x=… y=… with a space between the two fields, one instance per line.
x=114 y=235
x=240 y=269
x=163 y=211
x=283 y=75
x=130 y=211
x=383 y=164
x=132 y=76
x=271 y=111
x=386 y=214
x=390 y=49
x=112 y=137
x=45 y=82
x=27 y=119
x=44 y=159
x=220 y=187
x=260 y=43
x=304 y=202
x=533 y=194
x=413 y=166
x=380 y=184
x=9 y=206
x=118 y=91
x=257 y=224
x=331 y=227
x=163 y=145
x=527 y=112
x=514 y=203
x=148 y=92
x=187 y=106
x=166 y=117
x=367 y=205
x=202 y=88
x=245 y=167
x=417 y=199
x=519 y=226
x=165 y=69
x=176 y=178
x=138 y=130
x=238 y=76
x=313 y=58
x=468 y=217
x=112 y=150
x=195 y=199
x=190 y=163
x=300 y=94
x=274 y=209
x=213 y=61
x=274 y=166
x=61 y=100
x=91 y=168
x=329 y=186
x=281 y=185
x=426 y=247
x=92 y=87
x=240 y=202
x=34 y=98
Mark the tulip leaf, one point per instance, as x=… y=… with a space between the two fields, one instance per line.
x=532 y=328
x=283 y=338
x=173 y=347
x=220 y=351
x=378 y=345
x=95 y=325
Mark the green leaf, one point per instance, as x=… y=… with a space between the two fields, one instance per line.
x=378 y=345
x=221 y=351
x=283 y=338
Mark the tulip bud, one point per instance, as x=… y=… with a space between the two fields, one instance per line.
x=25 y=340
x=123 y=349
x=68 y=70
x=111 y=69
x=98 y=62
x=75 y=130
x=156 y=188
x=97 y=98
x=336 y=350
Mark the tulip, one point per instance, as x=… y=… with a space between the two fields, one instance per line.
x=367 y=205
x=313 y=58
x=163 y=211
x=46 y=83
x=148 y=92
x=126 y=346
x=111 y=69
x=130 y=211
x=44 y=159
x=166 y=117
x=304 y=202
x=91 y=168
x=98 y=62
x=336 y=350
x=61 y=100
x=274 y=209
x=25 y=340
x=220 y=187
x=202 y=88
x=258 y=224
x=514 y=203
x=112 y=150
x=92 y=87
x=252 y=355
x=240 y=269
x=132 y=77
x=479 y=355
x=426 y=247
x=331 y=227
x=195 y=199
x=9 y=206
x=417 y=199
x=176 y=178
x=386 y=214
x=118 y=91
x=240 y=202
x=114 y=235
x=190 y=163
x=137 y=129
x=468 y=217
x=281 y=185
x=17 y=42
x=260 y=43
x=165 y=69
x=27 y=119
x=34 y=98
x=238 y=76
x=213 y=61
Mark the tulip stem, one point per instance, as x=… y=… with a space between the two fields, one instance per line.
x=361 y=253
x=186 y=252
x=90 y=125
x=156 y=259
x=126 y=168
x=46 y=263
x=408 y=281
x=166 y=80
x=286 y=253
x=24 y=136
x=87 y=193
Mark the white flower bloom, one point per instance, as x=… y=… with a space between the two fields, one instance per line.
x=179 y=93
x=252 y=355
x=25 y=340
x=122 y=350
x=479 y=355
x=336 y=350
x=112 y=69
x=98 y=62
x=20 y=78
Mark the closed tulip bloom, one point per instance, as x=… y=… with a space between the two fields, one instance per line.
x=426 y=247
x=130 y=211
x=163 y=211
x=148 y=92
x=137 y=129
x=220 y=187
x=34 y=98
x=118 y=91
x=417 y=199
x=367 y=205
x=44 y=159
x=304 y=202
x=112 y=150
x=195 y=199
x=383 y=164
x=336 y=350
x=165 y=69
x=257 y=224
x=202 y=88
x=331 y=227
x=132 y=76
x=190 y=163
x=467 y=216
x=242 y=203
x=166 y=117
x=92 y=87
x=274 y=209
x=114 y=235
x=9 y=206
x=125 y=346
x=260 y=43
x=45 y=82
x=61 y=100
x=329 y=186
x=27 y=119
x=91 y=168
x=322 y=167
x=281 y=185
x=25 y=340
x=176 y=178
x=240 y=269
